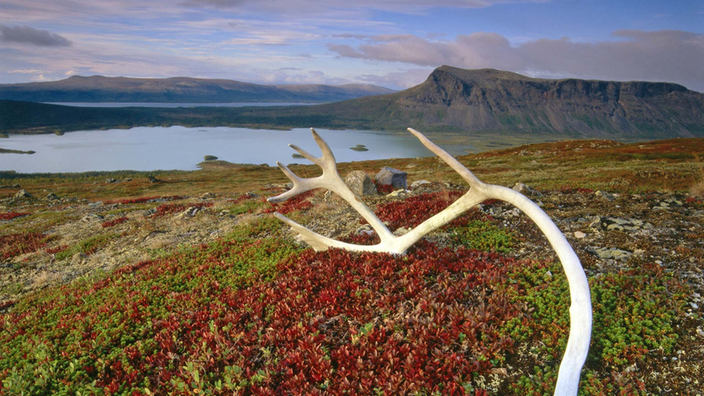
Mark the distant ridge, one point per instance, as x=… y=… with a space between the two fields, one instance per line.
x=449 y=100
x=178 y=90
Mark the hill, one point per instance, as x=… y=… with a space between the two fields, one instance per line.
x=178 y=90
x=493 y=100
x=450 y=100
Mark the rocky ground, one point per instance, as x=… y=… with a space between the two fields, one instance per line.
x=610 y=230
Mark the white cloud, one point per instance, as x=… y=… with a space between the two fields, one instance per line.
x=24 y=71
x=665 y=55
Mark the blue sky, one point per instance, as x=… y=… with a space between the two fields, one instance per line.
x=392 y=43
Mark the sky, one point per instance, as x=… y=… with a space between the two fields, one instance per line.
x=392 y=43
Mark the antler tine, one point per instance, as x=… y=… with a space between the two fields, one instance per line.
x=328 y=159
x=450 y=160
x=306 y=154
x=331 y=180
x=298 y=187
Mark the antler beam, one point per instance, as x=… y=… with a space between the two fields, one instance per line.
x=580 y=309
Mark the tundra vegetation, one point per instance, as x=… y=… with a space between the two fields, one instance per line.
x=188 y=285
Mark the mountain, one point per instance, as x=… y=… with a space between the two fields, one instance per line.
x=178 y=90
x=494 y=100
x=451 y=99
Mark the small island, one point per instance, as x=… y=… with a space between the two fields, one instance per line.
x=8 y=151
x=359 y=147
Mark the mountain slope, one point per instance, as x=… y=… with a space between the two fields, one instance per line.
x=451 y=99
x=178 y=90
x=492 y=100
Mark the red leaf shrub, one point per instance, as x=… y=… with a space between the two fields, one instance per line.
x=12 y=215
x=114 y=222
x=57 y=249
x=12 y=245
x=384 y=188
x=329 y=323
x=299 y=202
x=416 y=209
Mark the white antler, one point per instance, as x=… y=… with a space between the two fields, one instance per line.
x=580 y=309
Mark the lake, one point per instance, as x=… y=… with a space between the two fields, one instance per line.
x=158 y=148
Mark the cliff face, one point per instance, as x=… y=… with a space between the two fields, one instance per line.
x=489 y=99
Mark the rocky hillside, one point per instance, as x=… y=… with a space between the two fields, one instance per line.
x=494 y=100
x=178 y=90
x=184 y=281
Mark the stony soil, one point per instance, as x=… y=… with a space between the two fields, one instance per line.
x=609 y=230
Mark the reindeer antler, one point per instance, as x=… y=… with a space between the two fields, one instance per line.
x=580 y=309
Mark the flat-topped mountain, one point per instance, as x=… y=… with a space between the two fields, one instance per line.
x=178 y=90
x=493 y=100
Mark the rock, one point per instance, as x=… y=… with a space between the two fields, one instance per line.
x=579 y=234
x=23 y=194
x=91 y=217
x=393 y=177
x=51 y=197
x=207 y=195
x=78 y=258
x=525 y=190
x=190 y=212
x=398 y=193
x=419 y=183
x=669 y=203
x=110 y=180
x=605 y=196
x=360 y=183
x=619 y=224
x=153 y=179
x=251 y=194
x=364 y=230
x=401 y=231
x=611 y=253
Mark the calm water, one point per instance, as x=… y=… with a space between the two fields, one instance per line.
x=146 y=148
x=175 y=105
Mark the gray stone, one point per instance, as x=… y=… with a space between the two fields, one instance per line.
x=360 y=183
x=190 y=212
x=419 y=183
x=92 y=217
x=611 y=253
x=23 y=194
x=619 y=224
x=78 y=258
x=605 y=196
x=393 y=177
x=51 y=197
x=525 y=190
x=110 y=180
x=398 y=193
x=579 y=234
